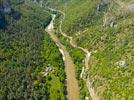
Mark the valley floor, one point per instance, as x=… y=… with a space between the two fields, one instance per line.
x=72 y=84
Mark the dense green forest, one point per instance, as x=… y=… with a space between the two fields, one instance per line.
x=30 y=62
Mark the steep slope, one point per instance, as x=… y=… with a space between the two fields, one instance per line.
x=105 y=28
x=111 y=67
x=30 y=62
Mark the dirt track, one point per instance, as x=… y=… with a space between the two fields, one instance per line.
x=93 y=94
x=72 y=84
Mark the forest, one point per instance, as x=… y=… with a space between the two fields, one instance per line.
x=26 y=53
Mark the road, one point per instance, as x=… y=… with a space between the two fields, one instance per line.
x=91 y=90
x=72 y=84
x=93 y=94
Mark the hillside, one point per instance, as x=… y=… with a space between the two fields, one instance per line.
x=51 y=48
x=106 y=29
x=30 y=62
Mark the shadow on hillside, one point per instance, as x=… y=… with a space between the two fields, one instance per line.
x=3 y=22
x=3 y=18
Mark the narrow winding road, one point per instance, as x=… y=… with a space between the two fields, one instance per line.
x=72 y=84
x=93 y=94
